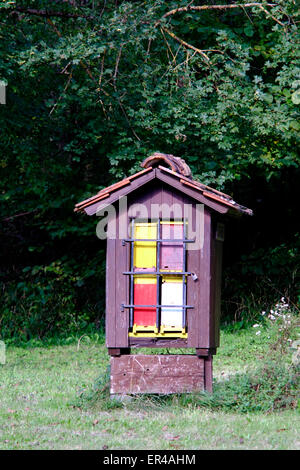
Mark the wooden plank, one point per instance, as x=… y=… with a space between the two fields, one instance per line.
x=114 y=351
x=178 y=199
x=162 y=374
x=212 y=286
x=209 y=191
x=215 y=287
x=118 y=351
x=205 y=351
x=234 y=206
x=121 y=292
x=167 y=197
x=106 y=191
x=203 y=325
x=155 y=198
x=218 y=286
x=141 y=196
x=158 y=342
x=135 y=184
x=92 y=200
x=193 y=290
x=208 y=374
x=220 y=199
x=161 y=365
x=193 y=193
x=110 y=314
x=139 y=173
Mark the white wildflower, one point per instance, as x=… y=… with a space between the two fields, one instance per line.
x=258 y=333
x=256 y=325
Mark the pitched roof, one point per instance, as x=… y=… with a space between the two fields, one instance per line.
x=215 y=199
x=106 y=192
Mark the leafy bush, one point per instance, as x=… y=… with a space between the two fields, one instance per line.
x=271 y=387
x=251 y=284
x=274 y=383
x=45 y=301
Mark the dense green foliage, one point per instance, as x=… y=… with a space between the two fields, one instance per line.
x=93 y=87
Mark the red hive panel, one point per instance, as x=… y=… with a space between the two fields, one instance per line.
x=145 y=290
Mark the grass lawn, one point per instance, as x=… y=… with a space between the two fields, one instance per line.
x=45 y=403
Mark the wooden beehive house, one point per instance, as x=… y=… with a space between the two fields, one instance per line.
x=162 y=292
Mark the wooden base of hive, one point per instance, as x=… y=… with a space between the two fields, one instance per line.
x=160 y=374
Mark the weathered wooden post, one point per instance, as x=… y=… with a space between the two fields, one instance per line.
x=163 y=276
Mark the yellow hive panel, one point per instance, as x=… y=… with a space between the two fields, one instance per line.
x=167 y=334
x=144 y=257
x=147 y=279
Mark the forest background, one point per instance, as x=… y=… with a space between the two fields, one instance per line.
x=91 y=89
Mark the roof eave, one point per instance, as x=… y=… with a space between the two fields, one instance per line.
x=210 y=197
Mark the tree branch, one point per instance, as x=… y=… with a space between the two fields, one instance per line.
x=273 y=17
x=64 y=90
x=86 y=68
x=21 y=214
x=214 y=7
x=191 y=7
x=117 y=93
x=169 y=48
x=48 y=14
x=186 y=44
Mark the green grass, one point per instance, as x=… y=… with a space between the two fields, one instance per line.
x=56 y=397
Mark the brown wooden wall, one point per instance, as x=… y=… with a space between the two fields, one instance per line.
x=117 y=292
x=163 y=374
x=204 y=294
x=215 y=285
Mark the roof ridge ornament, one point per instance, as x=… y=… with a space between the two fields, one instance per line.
x=176 y=164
